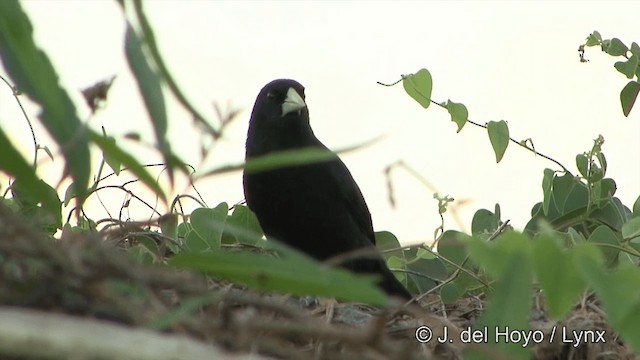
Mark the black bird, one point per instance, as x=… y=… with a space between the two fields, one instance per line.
x=317 y=207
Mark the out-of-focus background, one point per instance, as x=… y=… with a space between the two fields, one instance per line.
x=513 y=61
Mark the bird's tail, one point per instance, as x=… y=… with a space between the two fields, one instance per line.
x=392 y=286
x=389 y=283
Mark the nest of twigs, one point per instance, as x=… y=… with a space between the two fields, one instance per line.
x=81 y=298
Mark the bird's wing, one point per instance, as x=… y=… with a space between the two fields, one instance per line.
x=354 y=201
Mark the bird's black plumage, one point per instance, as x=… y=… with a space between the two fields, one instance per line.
x=318 y=207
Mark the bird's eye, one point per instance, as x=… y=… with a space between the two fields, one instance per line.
x=271 y=96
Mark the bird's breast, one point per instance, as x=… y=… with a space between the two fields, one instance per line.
x=302 y=206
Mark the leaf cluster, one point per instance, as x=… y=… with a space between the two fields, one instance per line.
x=581 y=243
x=629 y=67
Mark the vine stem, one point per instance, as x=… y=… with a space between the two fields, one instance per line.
x=15 y=93
x=519 y=143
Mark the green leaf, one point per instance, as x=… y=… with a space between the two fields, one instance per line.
x=594 y=39
x=149 y=244
x=111 y=148
x=562 y=284
x=618 y=292
x=47 y=151
x=452 y=291
x=628 y=96
x=385 y=240
x=297 y=274
x=629 y=67
x=153 y=53
x=602 y=160
x=582 y=163
x=209 y=224
x=169 y=225
x=45 y=211
x=631 y=230
x=508 y=306
x=15 y=165
x=451 y=247
x=141 y=254
x=419 y=86
x=69 y=194
x=595 y=172
x=562 y=187
x=616 y=47
x=604 y=235
x=34 y=75
x=242 y=226
x=180 y=243
x=458 y=112
x=195 y=243
x=423 y=254
x=636 y=206
x=499 y=137
x=612 y=213
x=484 y=222
x=112 y=160
x=578 y=198
x=575 y=237
x=547 y=186
x=494 y=256
x=394 y=262
x=433 y=268
x=635 y=49
x=148 y=84
x=606 y=189
x=282 y=159
x=183 y=229
x=630 y=329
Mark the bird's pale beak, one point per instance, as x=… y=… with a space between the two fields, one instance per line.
x=293 y=102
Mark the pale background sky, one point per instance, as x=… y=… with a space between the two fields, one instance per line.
x=513 y=61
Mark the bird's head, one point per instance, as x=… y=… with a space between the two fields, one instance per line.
x=280 y=118
x=280 y=99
